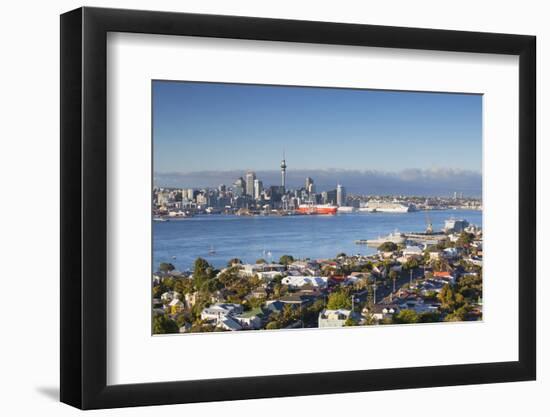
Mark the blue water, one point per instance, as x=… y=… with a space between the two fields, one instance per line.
x=269 y=237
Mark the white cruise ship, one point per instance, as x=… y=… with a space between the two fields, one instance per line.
x=387 y=207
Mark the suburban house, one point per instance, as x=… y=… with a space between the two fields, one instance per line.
x=299 y=281
x=264 y=271
x=170 y=295
x=381 y=311
x=251 y=319
x=444 y=275
x=333 y=318
x=217 y=311
x=228 y=323
x=296 y=300
x=175 y=306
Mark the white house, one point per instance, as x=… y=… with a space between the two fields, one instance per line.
x=333 y=318
x=412 y=252
x=450 y=253
x=229 y=323
x=170 y=295
x=381 y=311
x=249 y=319
x=300 y=281
x=220 y=310
x=268 y=276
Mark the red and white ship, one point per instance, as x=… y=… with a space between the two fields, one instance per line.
x=317 y=209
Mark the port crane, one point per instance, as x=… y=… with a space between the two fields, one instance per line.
x=429 y=226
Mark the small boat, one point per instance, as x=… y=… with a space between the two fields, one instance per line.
x=211 y=251
x=160 y=219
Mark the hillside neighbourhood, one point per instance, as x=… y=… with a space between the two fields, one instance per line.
x=400 y=284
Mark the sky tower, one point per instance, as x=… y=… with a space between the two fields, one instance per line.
x=283 y=172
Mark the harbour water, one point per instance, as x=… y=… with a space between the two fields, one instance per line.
x=218 y=238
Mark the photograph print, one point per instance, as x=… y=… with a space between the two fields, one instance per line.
x=289 y=207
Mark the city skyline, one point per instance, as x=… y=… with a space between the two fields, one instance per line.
x=436 y=182
x=229 y=127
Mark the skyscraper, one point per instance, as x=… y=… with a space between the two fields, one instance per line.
x=258 y=188
x=239 y=187
x=283 y=173
x=340 y=195
x=250 y=177
x=310 y=187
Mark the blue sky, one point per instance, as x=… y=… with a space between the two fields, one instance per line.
x=233 y=127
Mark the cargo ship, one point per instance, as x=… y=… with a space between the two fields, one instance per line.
x=317 y=209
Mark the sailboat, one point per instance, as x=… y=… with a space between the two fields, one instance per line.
x=211 y=251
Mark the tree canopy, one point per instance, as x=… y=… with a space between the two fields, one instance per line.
x=338 y=300
x=387 y=247
x=286 y=259
x=166 y=267
x=406 y=317
x=162 y=325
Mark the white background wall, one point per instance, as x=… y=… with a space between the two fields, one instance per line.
x=29 y=219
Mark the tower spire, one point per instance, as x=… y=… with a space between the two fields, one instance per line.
x=283 y=171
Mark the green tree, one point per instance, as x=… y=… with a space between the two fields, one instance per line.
x=233 y=262
x=405 y=317
x=201 y=271
x=465 y=239
x=162 y=325
x=337 y=300
x=272 y=325
x=411 y=264
x=261 y=261
x=286 y=259
x=350 y=321
x=429 y=317
x=387 y=247
x=459 y=314
x=184 y=286
x=166 y=267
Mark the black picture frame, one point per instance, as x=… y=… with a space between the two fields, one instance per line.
x=84 y=207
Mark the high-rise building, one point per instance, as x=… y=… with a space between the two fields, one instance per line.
x=258 y=188
x=162 y=198
x=310 y=187
x=239 y=187
x=250 y=177
x=329 y=197
x=340 y=195
x=283 y=173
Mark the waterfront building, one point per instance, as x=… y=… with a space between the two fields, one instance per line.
x=329 y=197
x=202 y=199
x=340 y=195
x=258 y=188
x=455 y=225
x=250 y=178
x=162 y=198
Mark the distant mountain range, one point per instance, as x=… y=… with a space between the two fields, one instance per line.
x=426 y=182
